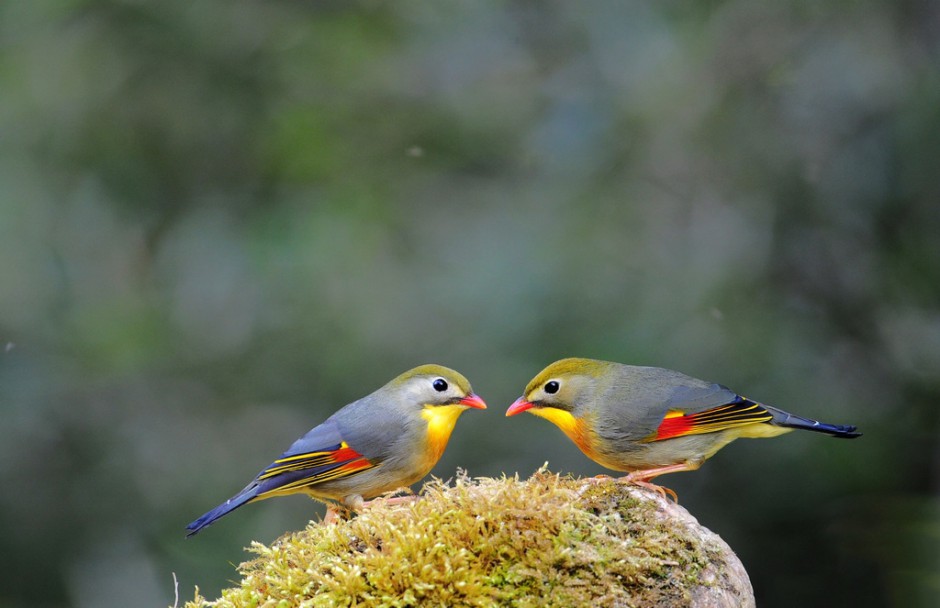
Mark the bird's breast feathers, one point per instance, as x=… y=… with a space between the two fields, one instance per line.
x=441 y=420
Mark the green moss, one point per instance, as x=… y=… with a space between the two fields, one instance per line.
x=548 y=540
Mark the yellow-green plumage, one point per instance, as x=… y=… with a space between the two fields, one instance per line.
x=389 y=439
x=648 y=421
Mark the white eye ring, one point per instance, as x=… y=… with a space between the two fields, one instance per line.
x=440 y=385
x=551 y=387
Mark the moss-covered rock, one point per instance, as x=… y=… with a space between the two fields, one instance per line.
x=546 y=541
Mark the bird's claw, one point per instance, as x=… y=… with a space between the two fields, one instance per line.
x=335 y=514
x=354 y=504
x=397 y=500
x=663 y=491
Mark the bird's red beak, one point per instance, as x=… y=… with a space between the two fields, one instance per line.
x=518 y=406
x=473 y=401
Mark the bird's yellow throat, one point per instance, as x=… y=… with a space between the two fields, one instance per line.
x=560 y=418
x=441 y=420
x=573 y=427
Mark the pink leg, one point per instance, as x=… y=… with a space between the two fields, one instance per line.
x=333 y=514
x=396 y=500
x=642 y=478
x=354 y=503
x=338 y=512
x=597 y=479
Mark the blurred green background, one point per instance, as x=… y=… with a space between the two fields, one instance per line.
x=219 y=222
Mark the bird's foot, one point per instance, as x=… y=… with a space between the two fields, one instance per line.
x=335 y=514
x=343 y=510
x=396 y=500
x=597 y=479
x=354 y=504
x=590 y=482
x=642 y=478
x=665 y=492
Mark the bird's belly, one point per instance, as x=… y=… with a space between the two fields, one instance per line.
x=690 y=448
x=367 y=484
x=404 y=470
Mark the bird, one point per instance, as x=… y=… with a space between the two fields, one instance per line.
x=384 y=441
x=648 y=421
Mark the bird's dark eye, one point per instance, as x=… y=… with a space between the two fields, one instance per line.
x=440 y=385
x=551 y=387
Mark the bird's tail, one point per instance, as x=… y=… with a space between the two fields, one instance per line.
x=785 y=419
x=243 y=497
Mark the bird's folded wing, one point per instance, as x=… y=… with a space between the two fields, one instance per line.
x=319 y=456
x=740 y=412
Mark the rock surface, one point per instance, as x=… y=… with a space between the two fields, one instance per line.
x=549 y=540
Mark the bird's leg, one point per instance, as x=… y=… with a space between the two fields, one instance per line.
x=642 y=478
x=661 y=490
x=593 y=481
x=590 y=482
x=347 y=507
x=334 y=514
x=398 y=500
x=354 y=503
x=395 y=500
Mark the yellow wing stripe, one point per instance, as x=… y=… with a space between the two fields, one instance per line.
x=307 y=460
x=343 y=470
x=733 y=415
x=342 y=445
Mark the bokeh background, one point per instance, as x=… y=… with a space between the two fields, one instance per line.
x=219 y=222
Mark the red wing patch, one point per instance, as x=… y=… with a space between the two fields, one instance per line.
x=740 y=413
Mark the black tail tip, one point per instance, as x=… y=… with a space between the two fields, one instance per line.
x=194 y=528
x=846 y=432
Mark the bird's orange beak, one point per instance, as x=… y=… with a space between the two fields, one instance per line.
x=518 y=406
x=473 y=401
